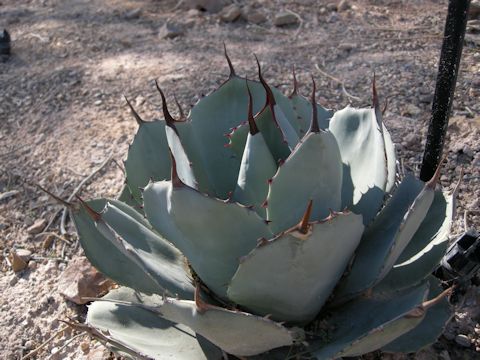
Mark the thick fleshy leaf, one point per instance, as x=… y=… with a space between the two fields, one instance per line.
x=312 y=172
x=158 y=257
x=146 y=333
x=290 y=135
x=120 y=268
x=203 y=134
x=362 y=147
x=256 y=169
x=212 y=234
x=391 y=159
x=273 y=135
x=292 y=275
x=298 y=107
x=298 y=110
x=303 y=110
x=183 y=164
x=429 y=330
x=387 y=236
x=427 y=247
x=148 y=157
x=235 y=332
x=366 y=324
x=237 y=139
x=286 y=106
x=127 y=197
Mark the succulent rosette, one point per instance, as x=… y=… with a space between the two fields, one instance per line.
x=265 y=225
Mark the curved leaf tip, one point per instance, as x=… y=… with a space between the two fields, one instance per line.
x=314 y=127
x=295 y=83
x=270 y=98
x=230 y=66
x=137 y=117
x=166 y=114
x=251 y=121
x=92 y=213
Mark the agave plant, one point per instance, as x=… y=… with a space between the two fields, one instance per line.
x=282 y=234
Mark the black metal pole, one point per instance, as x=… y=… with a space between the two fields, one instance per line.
x=450 y=55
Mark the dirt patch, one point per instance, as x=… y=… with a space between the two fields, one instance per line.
x=62 y=114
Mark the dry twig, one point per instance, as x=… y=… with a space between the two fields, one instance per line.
x=45 y=343
x=331 y=77
x=66 y=344
x=300 y=21
x=55 y=235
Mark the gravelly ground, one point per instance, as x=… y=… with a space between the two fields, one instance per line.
x=62 y=114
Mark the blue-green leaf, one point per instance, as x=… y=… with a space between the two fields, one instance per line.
x=312 y=172
x=292 y=275
x=212 y=234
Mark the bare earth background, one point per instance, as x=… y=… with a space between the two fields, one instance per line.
x=62 y=114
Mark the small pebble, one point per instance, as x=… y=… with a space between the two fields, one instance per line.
x=285 y=18
x=133 y=14
x=98 y=102
x=332 y=7
x=170 y=31
x=230 y=13
x=13 y=280
x=85 y=347
x=343 y=5
x=37 y=226
x=463 y=340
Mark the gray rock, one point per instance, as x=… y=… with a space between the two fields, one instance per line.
x=474 y=10
x=37 y=226
x=343 y=5
x=193 y=13
x=8 y=194
x=412 y=110
x=285 y=18
x=230 y=13
x=332 y=7
x=463 y=340
x=169 y=31
x=254 y=16
x=473 y=39
x=133 y=14
x=468 y=151
x=346 y=46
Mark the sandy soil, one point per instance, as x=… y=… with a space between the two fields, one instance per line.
x=62 y=114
